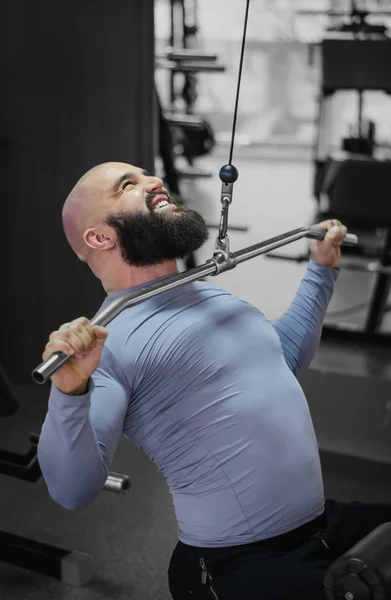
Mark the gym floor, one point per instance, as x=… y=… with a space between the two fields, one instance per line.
x=131 y=537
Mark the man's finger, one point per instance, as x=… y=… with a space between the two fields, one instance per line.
x=58 y=346
x=329 y=224
x=336 y=234
x=101 y=334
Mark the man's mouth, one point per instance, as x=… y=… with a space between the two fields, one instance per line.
x=159 y=201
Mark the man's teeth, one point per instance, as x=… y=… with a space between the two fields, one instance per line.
x=160 y=204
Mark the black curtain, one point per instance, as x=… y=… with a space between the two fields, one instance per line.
x=77 y=90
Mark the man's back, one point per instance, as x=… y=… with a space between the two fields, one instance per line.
x=214 y=404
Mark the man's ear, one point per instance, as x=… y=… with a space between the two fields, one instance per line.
x=100 y=238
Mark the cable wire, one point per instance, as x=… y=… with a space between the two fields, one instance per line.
x=239 y=82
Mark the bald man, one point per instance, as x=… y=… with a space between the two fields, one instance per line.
x=207 y=387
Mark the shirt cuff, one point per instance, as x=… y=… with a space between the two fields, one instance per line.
x=323 y=271
x=60 y=399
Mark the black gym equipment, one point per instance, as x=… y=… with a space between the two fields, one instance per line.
x=357 y=19
x=69 y=566
x=191 y=135
x=183 y=133
x=364 y=571
x=355 y=187
x=353 y=184
x=188 y=59
x=8 y=402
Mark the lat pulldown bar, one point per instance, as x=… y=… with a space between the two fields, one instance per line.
x=214 y=266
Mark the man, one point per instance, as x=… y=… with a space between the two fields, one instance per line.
x=207 y=387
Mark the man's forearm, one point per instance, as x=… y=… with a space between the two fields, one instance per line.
x=68 y=452
x=300 y=327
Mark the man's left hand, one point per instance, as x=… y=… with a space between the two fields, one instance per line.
x=328 y=252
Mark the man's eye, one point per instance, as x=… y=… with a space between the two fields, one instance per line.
x=126 y=184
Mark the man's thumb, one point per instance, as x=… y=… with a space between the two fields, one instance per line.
x=332 y=233
x=101 y=334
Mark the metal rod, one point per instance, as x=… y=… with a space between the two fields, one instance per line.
x=214 y=266
x=308 y=12
x=360 y=112
x=268 y=245
x=182 y=54
x=116 y=482
x=242 y=228
x=46 y=369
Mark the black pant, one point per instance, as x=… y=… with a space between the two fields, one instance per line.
x=288 y=567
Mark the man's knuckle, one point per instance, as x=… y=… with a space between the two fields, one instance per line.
x=82 y=321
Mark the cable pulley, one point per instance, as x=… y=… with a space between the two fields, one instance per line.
x=228 y=173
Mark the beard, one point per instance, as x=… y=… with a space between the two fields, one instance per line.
x=147 y=239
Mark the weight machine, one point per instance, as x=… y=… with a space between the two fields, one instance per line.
x=352 y=182
x=189 y=135
x=183 y=133
x=69 y=566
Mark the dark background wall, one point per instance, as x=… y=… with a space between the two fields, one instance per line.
x=77 y=90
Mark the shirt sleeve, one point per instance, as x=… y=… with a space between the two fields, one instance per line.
x=299 y=329
x=80 y=435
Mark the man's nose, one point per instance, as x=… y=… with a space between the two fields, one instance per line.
x=152 y=184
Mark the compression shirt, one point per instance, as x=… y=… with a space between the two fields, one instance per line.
x=207 y=387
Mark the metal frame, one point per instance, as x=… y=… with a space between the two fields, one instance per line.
x=69 y=566
x=370 y=331
x=377 y=304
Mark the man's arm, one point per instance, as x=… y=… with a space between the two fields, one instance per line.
x=80 y=435
x=299 y=329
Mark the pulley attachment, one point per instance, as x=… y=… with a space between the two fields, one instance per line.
x=221 y=255
x=228 y=174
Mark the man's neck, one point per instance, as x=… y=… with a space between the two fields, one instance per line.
x=126 y=277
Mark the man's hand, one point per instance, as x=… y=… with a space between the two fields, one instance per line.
x=328 y=252
x=84 y=343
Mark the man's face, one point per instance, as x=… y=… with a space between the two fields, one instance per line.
x=151 y=228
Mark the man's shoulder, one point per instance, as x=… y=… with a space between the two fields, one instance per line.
x=162 y=307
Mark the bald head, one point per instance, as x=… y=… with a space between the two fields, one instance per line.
x=118 y=217
x=90 y=200
x=79 y=208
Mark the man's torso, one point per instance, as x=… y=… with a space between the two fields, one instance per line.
x=215 y=406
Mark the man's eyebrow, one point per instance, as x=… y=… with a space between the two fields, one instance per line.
x=129 y=175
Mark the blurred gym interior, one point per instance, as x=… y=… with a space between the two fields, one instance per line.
x=153 y=83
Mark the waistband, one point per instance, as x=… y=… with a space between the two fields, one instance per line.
x=290 y=538
x=300 y=534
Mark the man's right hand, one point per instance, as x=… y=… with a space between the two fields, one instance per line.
x=84 y=342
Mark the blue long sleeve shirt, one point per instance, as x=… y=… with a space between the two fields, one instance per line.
x=206 y=386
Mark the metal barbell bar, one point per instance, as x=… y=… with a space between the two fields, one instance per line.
x=214 y=266
x=116 y=482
